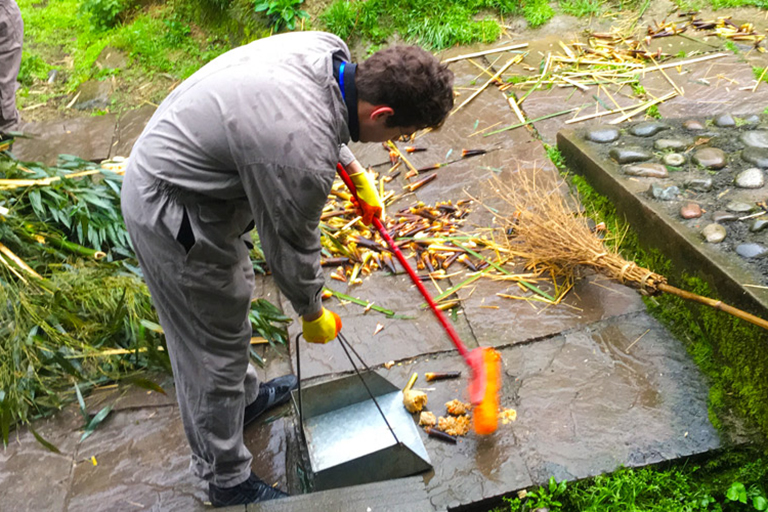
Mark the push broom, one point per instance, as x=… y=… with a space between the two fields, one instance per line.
x=484 y=362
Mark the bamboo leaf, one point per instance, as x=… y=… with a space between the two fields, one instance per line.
x=152 y=326
x=48 y=446
x=95 y=422
x=81 y=401
x=145 y=384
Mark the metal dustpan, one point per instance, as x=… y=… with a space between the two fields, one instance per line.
x=347 y=439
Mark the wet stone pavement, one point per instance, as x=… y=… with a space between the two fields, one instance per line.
x=596 y=382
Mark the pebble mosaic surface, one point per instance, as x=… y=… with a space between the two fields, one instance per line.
x=709 y=174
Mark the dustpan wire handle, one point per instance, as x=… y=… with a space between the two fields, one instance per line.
x=344 y=344
x=298 y=378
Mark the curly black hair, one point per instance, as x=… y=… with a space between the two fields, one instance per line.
x=411 y=81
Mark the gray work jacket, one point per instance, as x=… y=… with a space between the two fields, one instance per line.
x=261 y=129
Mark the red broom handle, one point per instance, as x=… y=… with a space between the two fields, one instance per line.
x=415 y=278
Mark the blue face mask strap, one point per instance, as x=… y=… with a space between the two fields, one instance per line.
x=341 y=80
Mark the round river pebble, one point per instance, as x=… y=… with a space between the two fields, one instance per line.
x=725 y=121
x=756 y=156
x=693 y=125
x=724 y=217
x=690 y=211
x=711 y=158
x=675 y=144
x=647 y=171
x=603 y=134
x=647 y=129
x=751 y=250
x=674 y=159
x=699 y=184
x=755 y=139
x=751 y=178
x=630 y=154
x=758 y=225
x=713 y=233
x=665 y=193
x=739 y=207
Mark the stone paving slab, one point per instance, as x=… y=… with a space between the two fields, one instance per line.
x=89 y=138
x=617 y=392
x=142 y=459
x=391 y=496
x=33 y=478
x=130 y=124
x=710 y=87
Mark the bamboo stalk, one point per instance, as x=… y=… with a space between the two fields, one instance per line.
x=486 y=52
x=511 y=61
x=9 y=184
x=674 y=85
x=512 y=127
x=716 y=304
x=599 y=114
x=644 y=107
x=359 y=302
x=18 y=261
x=516 y=109
x=394 y=148
x=575 y=84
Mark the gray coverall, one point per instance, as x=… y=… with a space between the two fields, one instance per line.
x=253 y=136
x=11 y=36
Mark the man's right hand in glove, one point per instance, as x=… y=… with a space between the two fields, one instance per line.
x=368 y=202
x=322 y=328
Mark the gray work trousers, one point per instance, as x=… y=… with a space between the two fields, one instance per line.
x=11 y=37
x=200 y=276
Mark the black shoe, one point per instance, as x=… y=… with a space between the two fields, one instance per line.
x=271 y=394
x=252 y=490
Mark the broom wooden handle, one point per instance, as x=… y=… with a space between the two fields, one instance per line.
x=714 y=304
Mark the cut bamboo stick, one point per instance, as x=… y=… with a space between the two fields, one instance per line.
x=511 y=61
x=644 y=107
x=516 y=109
x=674 y=85
x=18 y=261
x=599 y=114
x=486 y=52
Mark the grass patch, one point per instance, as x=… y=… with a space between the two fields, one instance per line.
x=581 y=8
x=69 y=35
x=718 y=485
x=432 y=25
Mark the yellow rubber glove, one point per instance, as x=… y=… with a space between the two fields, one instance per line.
x=368 y=203
x=323 y=329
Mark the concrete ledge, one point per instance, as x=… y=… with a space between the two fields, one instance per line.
x=391 y=496
x=656 y=228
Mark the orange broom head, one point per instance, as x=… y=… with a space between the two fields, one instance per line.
x=485 y=416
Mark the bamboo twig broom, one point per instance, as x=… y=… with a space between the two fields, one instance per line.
x=547 y=230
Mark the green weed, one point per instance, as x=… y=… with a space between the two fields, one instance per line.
x=281 y=13
x=653 y=112
x=537 y=12
x=102 y=14
x=759 y=73
x=731 y=46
